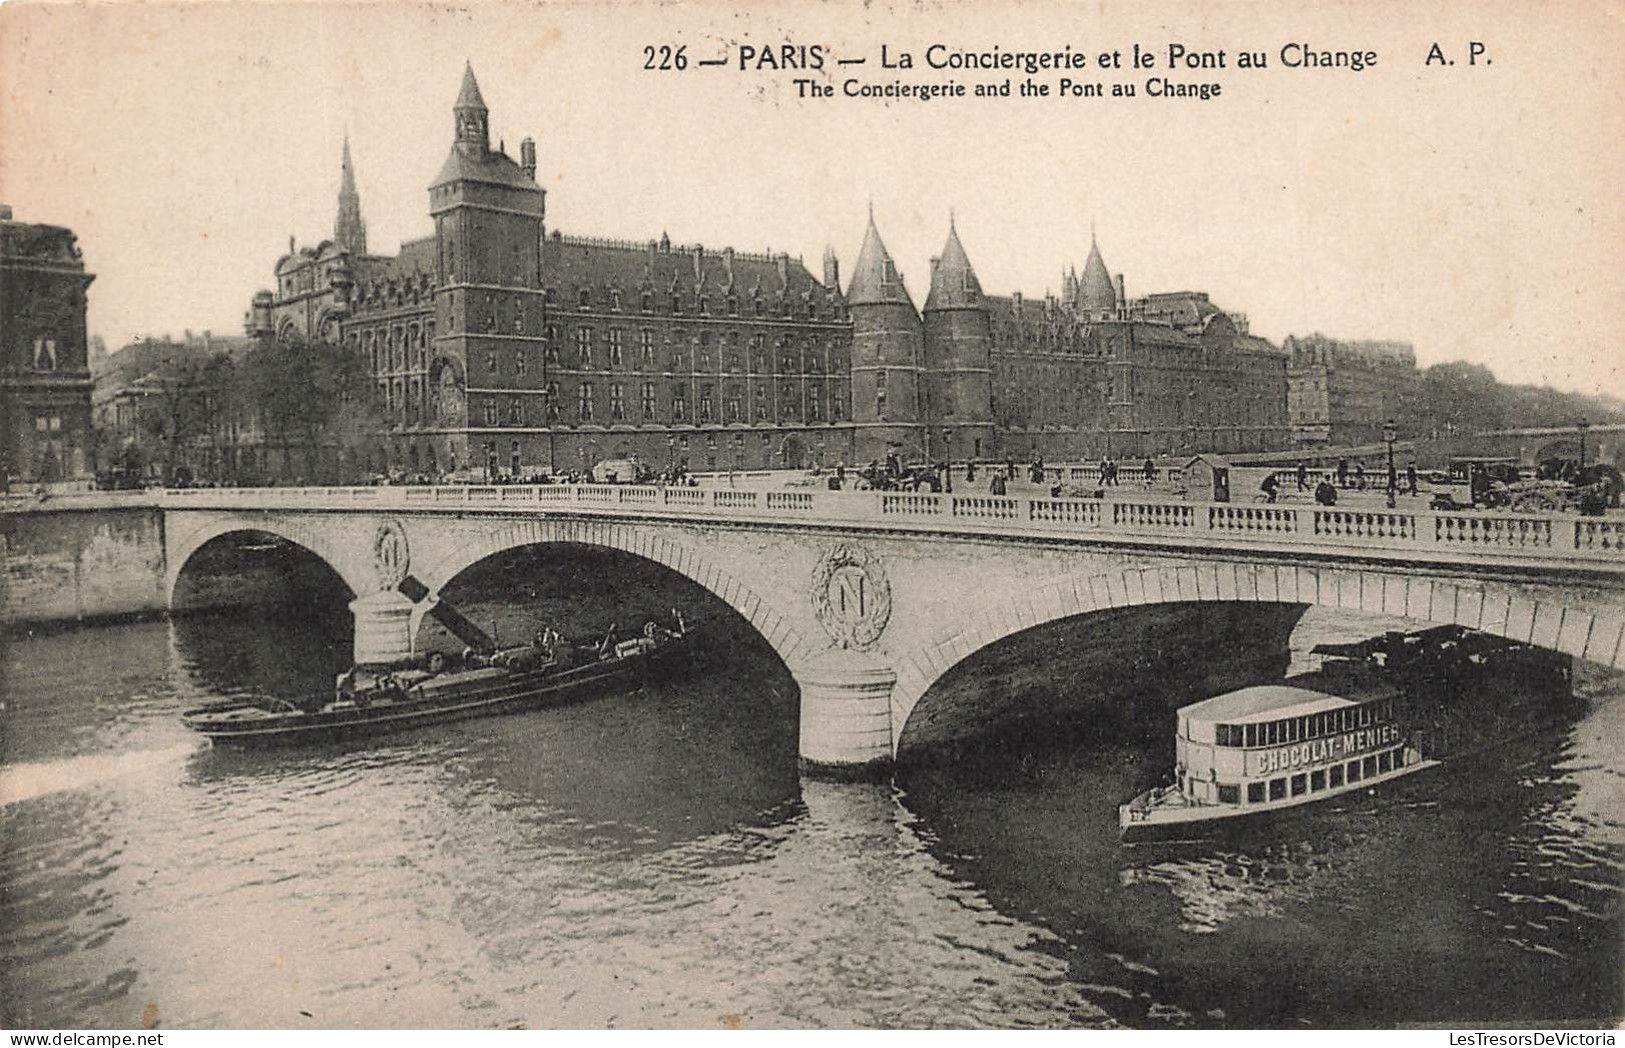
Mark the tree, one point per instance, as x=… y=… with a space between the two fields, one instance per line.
x=182 y=405
x=313 y=401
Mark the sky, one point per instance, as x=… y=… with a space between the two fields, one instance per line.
x=1473 y=210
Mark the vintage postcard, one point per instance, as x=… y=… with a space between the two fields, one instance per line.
x=835 y=515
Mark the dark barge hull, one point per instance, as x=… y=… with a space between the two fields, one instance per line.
x=513 y=693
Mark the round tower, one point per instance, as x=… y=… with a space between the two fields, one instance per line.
x=886 y=357
x=958 y=368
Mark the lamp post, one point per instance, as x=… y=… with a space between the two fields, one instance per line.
x=948 y=460
x=1583 y=425
x=671 y=456
x=1388 y=435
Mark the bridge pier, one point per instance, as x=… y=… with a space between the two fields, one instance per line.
x=383 y=627
x=846 y=729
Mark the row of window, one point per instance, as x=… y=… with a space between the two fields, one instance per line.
x=736 y=405
x=1357 y=770
x=789 y=306
x=1306 y=727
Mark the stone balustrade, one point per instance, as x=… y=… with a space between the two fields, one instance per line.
x=1535 y=540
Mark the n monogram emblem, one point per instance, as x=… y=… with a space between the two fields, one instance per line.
x=851 y=596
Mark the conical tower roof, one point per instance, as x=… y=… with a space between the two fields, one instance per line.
x=1096 y=291
x=953 y=281
x=875 y=278
x=469 y=96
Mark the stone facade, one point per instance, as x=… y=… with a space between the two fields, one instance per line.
x=502 y=347
x=45 y=432
x=1341 y=393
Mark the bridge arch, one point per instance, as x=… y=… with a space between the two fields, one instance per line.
x=774 y=626
x=333 y=552
x=1503 y=609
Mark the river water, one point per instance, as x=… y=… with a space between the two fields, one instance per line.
x=655 y=859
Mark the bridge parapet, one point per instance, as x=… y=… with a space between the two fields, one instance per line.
x=1514 y=540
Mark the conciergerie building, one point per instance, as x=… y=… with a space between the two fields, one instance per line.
x=501 y=344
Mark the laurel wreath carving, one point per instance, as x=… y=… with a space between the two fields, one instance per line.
x=391 y=557
x=861 y=632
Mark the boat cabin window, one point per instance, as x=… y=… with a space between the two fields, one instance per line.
x=1309 y=726
x=1317 y=781
x=1277 y=789
x=1300 y=784
x=1354 y=771
x=1385 y=761
x=1229 y=794
x=1337 y=776
x=1255 y=792
x=1369 y=766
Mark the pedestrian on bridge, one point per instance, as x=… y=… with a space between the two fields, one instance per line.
x=1303 y=475
x=1343 y=472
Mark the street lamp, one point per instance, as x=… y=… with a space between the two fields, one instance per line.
x=1388 y=435
x=948 y=460
x=1583 y=425
x=671 y=456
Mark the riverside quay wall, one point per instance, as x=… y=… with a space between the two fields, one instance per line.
x=81 y=559
x=74 y=559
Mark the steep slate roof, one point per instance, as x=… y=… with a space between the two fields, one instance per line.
x=875 y=278
x=495 y=167
x=1096 y=289
x=468 y=96
x=571 y=263
x=953 y=280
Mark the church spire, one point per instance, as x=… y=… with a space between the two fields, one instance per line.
x=473 y=119
x=349 y=228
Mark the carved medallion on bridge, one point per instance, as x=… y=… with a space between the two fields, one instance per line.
x=390 y=556
x=851 y=596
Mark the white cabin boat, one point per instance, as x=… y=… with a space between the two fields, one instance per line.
x=1264 y=749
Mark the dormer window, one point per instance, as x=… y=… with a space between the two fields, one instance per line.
x=733 y=305
x=648 y=302
x=676 y=303
x=586 y=298
x=705 y=305
x=615 y=299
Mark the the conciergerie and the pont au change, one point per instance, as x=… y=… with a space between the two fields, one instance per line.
x=1174 y=70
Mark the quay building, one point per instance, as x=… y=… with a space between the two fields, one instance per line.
x=500 y=344
x=45 y=416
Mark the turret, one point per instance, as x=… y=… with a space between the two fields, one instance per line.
x=886 y=350
x=1096 y=291
x=473 y=119
x=958 y=356
x=527 y=157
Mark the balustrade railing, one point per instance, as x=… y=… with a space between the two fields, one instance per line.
x=1320 y=529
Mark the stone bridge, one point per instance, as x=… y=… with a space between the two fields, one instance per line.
x=869 y=598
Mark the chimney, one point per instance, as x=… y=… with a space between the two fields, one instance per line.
x=832 y=270
x=782 y=261
x=1122 y=296
x=527 y=156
